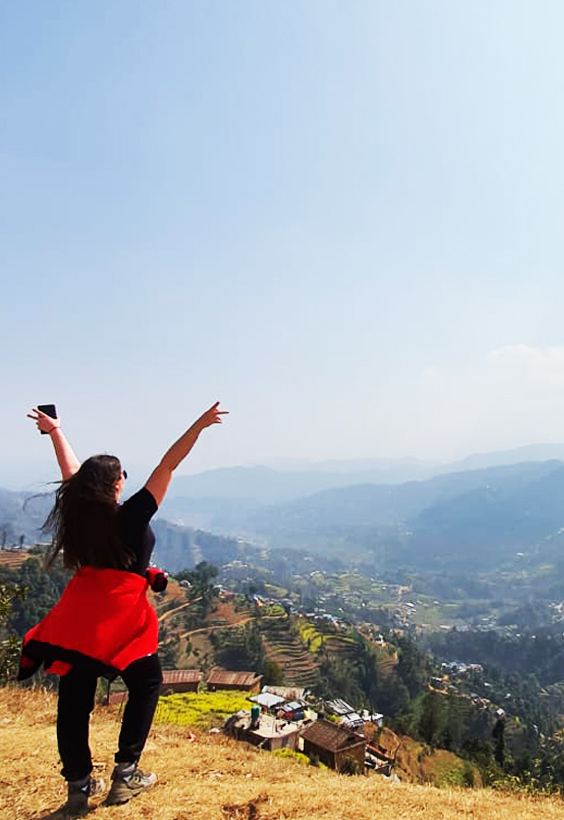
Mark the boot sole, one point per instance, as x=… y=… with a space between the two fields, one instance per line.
x=123 y=794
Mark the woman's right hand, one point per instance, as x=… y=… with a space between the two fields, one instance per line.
x=45 y=423
x=158 y=481
x=211 y=416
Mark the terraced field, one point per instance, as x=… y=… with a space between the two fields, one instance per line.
x=12 y=559
x=299 y=665
x=341 y=647
x=387 y=662
x=300 y=655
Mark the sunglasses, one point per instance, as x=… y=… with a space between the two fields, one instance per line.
x=124 y=473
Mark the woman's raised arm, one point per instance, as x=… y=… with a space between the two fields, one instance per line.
x=158 y=481
x=66 y=458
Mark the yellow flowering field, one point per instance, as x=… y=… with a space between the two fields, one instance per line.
x=200 y=710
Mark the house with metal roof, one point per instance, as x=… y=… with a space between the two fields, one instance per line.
x=174 y=681
x=267 y=700
x=334 y=745
x=346 y=714
x=338 y=707
x=180 y=680
x=244 y=681
x=287 y=692
x=268 y=732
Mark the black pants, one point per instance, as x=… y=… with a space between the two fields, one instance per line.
x=76 y=700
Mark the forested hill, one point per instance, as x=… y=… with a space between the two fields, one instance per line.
x=180 y=547
x=384 y=504
x=489 y=514
x=274 y=485
x=492 y=514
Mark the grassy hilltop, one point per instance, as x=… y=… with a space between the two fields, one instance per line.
x=214 y=778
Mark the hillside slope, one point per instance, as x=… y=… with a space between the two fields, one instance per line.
x=218 y=779
x=492 y=513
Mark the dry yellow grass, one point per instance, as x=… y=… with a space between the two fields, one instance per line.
x=219 y=779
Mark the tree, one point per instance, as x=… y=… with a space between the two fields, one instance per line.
x=6 y=534
x=273 y=674
x=433 y=718
x=498 y=734
x=43 y=591
x=240 y=648
x=200 y=585
x=413 y=666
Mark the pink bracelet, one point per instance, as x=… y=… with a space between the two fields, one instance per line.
x=56 y=427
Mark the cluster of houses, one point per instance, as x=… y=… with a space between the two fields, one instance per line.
x=459 y=668
x=189 y=680
x=281 y=717
x=451 y=672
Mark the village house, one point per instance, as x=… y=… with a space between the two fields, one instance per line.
x=334 y=745
x=294 y=710
x=174 y=681
x=266 y=731
x=267 y=701
x=381 y=751
x=243 y=681
x=346 y=714
x=287 y=692
x=180 y=680
x=372 y=718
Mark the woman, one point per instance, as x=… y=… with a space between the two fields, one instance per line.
x=103 y=623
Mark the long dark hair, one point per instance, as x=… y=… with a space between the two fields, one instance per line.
x=83 y=519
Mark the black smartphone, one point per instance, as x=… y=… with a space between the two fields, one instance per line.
x=49 y=410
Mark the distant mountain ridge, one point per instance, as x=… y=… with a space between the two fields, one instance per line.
x=472 y=519
x=220 y=500
x=491 y=513
x=518 y=455
x=385 y=504
x=269 y=485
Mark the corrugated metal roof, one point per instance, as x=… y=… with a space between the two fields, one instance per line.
x=182 y=676
x=244 y=679
x=352 y=721
x=294 y=706
x=330 y=736
x=286 y=692
x=267 y=699
x=339 y=707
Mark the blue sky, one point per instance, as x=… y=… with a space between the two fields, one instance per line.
x=344 y=220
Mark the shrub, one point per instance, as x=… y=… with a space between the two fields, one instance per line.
x=291 y=754
x=351 y=766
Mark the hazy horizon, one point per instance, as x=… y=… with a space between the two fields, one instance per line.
x=37 y=476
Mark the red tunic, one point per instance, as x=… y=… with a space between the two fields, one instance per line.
x=102 y=623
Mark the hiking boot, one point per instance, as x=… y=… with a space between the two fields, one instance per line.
x=128 y=781
x=78 y=792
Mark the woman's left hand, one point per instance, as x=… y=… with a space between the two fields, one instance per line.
x=45 y=423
